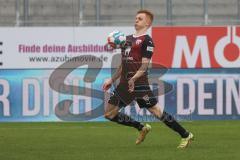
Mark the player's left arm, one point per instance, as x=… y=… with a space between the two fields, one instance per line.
x=147 y=51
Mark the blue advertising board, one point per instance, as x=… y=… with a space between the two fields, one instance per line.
x=189 y=94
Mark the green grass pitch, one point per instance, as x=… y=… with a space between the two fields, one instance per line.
x=214 y=140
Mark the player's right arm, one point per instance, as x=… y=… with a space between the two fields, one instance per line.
x=108 y=82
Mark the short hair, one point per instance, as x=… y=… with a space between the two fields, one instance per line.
x=148 y=13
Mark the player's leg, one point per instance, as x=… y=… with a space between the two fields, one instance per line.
x=170 y=121
x=112 y=111
x=121 y=98
x=146 y=99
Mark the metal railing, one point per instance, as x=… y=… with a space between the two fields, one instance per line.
x=83 y=16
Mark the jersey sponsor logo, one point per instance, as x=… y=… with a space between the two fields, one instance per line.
x=197 y=47
x=127 y=58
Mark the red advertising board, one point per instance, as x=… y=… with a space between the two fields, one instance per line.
x=197 y=47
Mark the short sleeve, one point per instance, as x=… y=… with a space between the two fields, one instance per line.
x=147 y=47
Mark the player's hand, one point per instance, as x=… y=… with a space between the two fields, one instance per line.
x=131 y=85
x=107 y=84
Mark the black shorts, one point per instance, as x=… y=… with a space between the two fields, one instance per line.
x=143 y=95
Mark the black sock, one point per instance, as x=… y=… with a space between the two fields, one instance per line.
x=168 y=120
x=124 y=119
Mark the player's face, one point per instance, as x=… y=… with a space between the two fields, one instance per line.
x=141 y=21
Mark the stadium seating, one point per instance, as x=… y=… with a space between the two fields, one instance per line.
x=7 y=13
x=115 y=12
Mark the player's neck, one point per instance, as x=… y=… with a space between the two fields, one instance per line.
x=140 y=32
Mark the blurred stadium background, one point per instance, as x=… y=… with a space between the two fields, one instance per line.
x=115 y=12
x=215 y=122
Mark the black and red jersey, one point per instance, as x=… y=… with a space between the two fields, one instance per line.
x=135 y=49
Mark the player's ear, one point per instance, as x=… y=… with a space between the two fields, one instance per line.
x=148 y=24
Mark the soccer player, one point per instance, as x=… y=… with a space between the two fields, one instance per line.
x=134 y=85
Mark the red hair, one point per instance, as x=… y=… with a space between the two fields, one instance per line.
x=148 y=13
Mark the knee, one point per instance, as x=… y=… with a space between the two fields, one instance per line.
x=107 y=115
x=111 y=111
x=156 y=111
x=110 y=115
